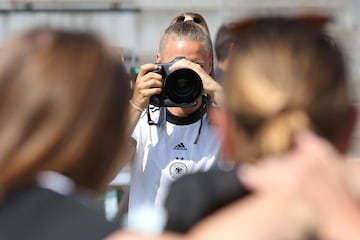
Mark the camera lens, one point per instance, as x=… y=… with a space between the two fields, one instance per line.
x=183 y=86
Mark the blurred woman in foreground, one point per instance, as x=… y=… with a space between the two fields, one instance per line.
x=286 y=82
x=63 y=111
x=285 y=77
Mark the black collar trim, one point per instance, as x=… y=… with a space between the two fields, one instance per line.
x=192 y=118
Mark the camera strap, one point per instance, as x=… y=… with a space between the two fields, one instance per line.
x=203 y=110
x=164 y=116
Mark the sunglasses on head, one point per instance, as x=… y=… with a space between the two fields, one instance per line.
x=316 y=21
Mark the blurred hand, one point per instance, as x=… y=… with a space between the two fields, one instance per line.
x=315 y=173
x=311 y=169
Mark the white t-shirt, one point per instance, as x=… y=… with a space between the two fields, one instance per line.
x=166 y=152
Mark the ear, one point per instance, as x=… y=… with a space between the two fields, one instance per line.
x=231 y=48
x=212 y=62
x=158 y=58
x=228 y=131
x=347 y=135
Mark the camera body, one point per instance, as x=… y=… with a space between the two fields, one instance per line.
x=181 y=88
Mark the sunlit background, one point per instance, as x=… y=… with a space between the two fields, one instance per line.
x=135 y=26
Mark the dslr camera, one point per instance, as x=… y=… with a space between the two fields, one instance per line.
x=181 y=88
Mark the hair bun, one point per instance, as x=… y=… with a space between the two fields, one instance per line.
x=278 y=132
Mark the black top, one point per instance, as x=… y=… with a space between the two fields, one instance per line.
x=195 y=196
x=34 y=213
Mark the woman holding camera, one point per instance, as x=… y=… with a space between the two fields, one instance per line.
x=172 y=140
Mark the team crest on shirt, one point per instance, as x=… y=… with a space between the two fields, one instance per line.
x=177 y=169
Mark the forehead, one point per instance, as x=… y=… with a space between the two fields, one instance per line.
x=193 y=50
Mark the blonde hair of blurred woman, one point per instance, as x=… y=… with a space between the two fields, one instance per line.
x=64 y=100
x=284 y=76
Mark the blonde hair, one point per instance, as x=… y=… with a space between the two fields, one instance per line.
x=200 y=20
x=63 y=107
x=185 y=31
x=284 y=76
